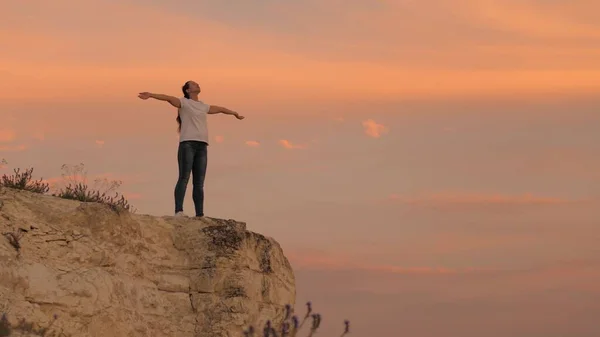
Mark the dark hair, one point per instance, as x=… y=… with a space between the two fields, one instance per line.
x=186 y=85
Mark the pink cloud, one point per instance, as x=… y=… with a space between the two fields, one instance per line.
x=564 y=68
x=100 y=180
x=7 y=136
x=219 y=139
x=532 y=19
x=317 y=261
x=288 y=145
x=132 y=196
x=252 y=143
x=99 y=143
x=374 y=129
x=55 y=180
x=74 y=179
x=453 y=242
x=478 y=198
x=13 y=148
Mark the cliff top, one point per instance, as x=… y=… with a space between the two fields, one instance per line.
x=104 y=271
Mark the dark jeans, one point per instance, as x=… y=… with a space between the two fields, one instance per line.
x=192 y=158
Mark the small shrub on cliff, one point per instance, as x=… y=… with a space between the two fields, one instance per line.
x=74 y=186
x=24 y=181
x=82 y=192
x=77 y=188
x=291 y=325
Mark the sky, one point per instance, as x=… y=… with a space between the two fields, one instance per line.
x=429 y=167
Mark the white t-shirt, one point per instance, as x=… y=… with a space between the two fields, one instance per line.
x=193 y=120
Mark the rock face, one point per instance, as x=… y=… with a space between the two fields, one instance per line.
x=109 y=273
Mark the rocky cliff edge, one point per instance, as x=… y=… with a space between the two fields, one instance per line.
x=105 y=272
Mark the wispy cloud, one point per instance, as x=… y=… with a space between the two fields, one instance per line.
x=99 y=143
x=288 y=145
x=219 y=139
x=453 y=242
x=462 y=198
x=13 y=148
x=530 y=18
x=7 y=136
x=132 y=195
x=330 y=262
x=104 y=179
x=374 y=129
x=252 y=143
x=443 y=60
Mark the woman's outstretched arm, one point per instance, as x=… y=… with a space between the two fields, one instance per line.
x=215 y=109
x=174 y=101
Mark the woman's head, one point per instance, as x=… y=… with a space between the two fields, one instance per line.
x=190 y=88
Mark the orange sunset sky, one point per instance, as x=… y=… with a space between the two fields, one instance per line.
x=430 y=168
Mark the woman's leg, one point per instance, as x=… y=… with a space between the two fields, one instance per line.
x=185 y=159
x=199 y=173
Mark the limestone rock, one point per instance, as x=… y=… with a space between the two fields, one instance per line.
x=109 y=273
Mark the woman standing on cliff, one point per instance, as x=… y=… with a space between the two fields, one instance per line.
x=193 y=142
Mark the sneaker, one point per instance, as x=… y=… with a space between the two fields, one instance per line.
x=180 y=214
